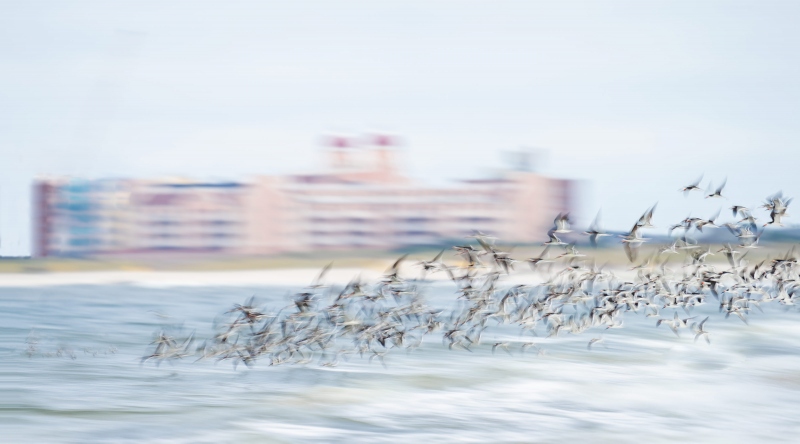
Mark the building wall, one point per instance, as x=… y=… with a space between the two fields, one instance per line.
x=202 y=217
x=42 y=218
x=270 y=221
x=535 y=203
x=361 y=202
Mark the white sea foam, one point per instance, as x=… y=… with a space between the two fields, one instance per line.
x=646 y=385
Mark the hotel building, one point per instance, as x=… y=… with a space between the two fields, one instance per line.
x=361 y=202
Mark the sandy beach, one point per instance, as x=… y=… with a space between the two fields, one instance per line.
x=291 y=276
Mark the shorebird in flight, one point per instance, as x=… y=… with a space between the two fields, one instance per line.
x=554 y=240
x=595 y=231
x=561 y=223
x=777 y=209
x=718 y=191
x=647 y=218
x=693 y=186
x=699 y=331
x=432 y=265
x=700 y=223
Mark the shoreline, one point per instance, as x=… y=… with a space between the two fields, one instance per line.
x=288 y=277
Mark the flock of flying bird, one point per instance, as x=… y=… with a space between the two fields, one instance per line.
x=371 y=320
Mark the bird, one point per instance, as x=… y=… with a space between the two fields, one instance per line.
x=542 y=258
x=736 y=209
x=432 y=265
x=594 y=341
x=730 y=255
x=373 y=319
x=561 y=223
x=718 y=191
x=393 y=271
x=554 y=240
x=699 y=224
x=594 y=231
x=632 y=241
x=693 y=186
x=571 y=252
x=699 y=331
x=317 y=283
x=633 y=236
x=670 y=249
x=503 y=345
x=482 y=236
x=645 y=221
x=777 y=208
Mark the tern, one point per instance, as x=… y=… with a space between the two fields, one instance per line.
x=561 y=223
x=693 y=186
x=699 y=331
x=595 y=231
x=718 y=191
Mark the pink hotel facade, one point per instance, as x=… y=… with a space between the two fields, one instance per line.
x=361 y=202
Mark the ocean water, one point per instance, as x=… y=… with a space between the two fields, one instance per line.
x=70 y=371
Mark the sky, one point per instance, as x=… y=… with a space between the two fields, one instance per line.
x=635 y=99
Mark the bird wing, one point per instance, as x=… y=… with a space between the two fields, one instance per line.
x=322 y=273
x=722 y=186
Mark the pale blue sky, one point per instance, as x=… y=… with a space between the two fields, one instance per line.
x=635 y=97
